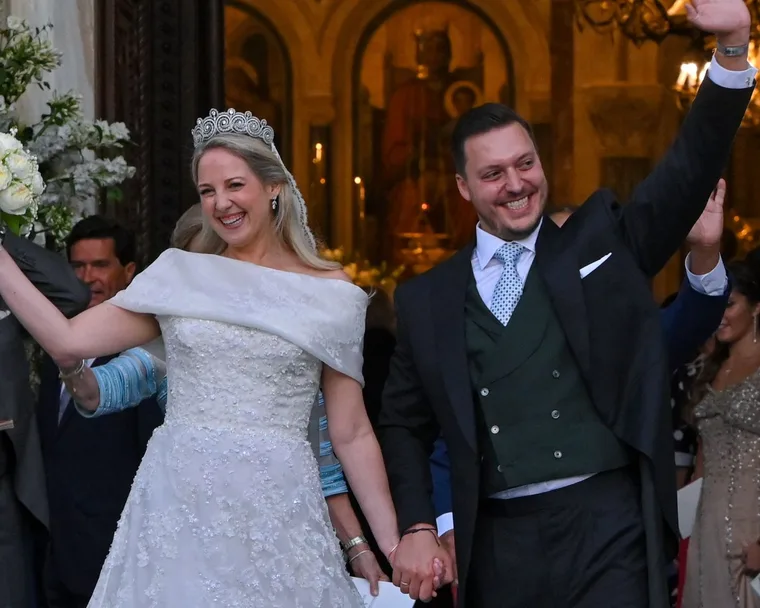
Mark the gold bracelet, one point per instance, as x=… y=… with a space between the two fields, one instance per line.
x=68 y=375
x=358 y=554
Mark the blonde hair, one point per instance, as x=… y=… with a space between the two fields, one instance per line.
x=268 y=168
x=187 y=228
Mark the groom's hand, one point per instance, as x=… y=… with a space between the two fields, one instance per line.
x=447 y=539
x=421 y=563
x=729 y=20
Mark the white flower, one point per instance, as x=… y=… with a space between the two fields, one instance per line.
x=37 y=184
x=5 y=177
x=16 y=199
x=21 y=165
x=15 y=24
x=8 y=143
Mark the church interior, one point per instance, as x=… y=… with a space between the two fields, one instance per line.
x=363 y=96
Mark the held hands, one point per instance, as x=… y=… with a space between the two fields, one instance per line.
x=729 y=20
x=421 y=563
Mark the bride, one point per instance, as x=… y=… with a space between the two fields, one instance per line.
x=226 y=508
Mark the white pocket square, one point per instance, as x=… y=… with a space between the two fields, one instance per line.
x=4 y=313
x=589 y=268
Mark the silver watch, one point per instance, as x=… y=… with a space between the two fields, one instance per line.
x=733 y=51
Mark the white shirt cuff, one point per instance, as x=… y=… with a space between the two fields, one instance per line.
x=713 y=283
x=445 y=523
x=731 y=79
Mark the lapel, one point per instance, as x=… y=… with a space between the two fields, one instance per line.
x=559 y=268
x=447 y=304
x=70 y=410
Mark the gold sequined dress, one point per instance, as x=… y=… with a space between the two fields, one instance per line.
x=728 y=516
x=226 y=509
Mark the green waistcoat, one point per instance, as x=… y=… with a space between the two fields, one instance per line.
x=537 y=421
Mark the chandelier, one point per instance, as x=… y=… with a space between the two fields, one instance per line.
x=654 y=20
x=638 y=20
x=692 y=74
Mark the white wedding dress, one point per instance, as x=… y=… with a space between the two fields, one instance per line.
x=226 y=509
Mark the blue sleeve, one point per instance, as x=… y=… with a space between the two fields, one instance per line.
x=124 y=382
x=689 y=322
x=163 y=393
x=440 y=468
x=330 y=470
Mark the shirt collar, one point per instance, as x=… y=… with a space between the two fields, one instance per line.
x=487 y=244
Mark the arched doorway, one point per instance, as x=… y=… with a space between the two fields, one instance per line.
x=417 y=67
x=258 y=74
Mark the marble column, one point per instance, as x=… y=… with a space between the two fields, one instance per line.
x=73 y=34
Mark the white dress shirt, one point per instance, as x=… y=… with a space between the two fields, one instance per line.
x=487 y=271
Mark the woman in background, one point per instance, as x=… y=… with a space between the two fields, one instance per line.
x=724 y=549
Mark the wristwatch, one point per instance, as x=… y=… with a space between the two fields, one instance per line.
x=733 y=51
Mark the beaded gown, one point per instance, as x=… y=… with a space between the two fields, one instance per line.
x=728 y=515
x=226 y=509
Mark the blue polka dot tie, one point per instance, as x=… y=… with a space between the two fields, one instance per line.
x=508 y=290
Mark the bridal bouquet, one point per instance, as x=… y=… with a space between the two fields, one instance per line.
x=21 y=184
x=77 y=157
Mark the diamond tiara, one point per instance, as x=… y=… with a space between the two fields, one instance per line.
x=230 y=121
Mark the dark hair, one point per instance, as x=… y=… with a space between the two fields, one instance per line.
x=479 y=120
x=745 y=279
x=753 y=257
x=99 y=227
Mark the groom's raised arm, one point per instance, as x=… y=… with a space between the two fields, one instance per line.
x=665 y=206
x=407 y=426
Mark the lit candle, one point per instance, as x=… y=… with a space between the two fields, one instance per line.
x=362 y=220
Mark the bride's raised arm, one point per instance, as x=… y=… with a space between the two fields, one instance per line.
x=103 y=330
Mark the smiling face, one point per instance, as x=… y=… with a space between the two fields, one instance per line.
x=505 y=182
x=738 y=319
x=237 y=205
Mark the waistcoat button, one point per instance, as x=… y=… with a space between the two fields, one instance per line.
x=555 y=414
x=484 y=392
x=558 y=454
x=555 y=373
x=494 y=429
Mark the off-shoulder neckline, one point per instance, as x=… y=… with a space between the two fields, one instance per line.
x=268 y=268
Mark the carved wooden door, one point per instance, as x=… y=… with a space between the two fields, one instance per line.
x=159 y=68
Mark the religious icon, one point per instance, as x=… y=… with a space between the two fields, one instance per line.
x=421 y=70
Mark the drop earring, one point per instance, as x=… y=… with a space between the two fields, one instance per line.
x=274 y=204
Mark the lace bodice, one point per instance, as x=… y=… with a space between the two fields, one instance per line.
x=227 y=508
x=259 y=379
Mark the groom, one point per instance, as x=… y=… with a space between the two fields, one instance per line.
x=23 y=501
x=537 y=353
